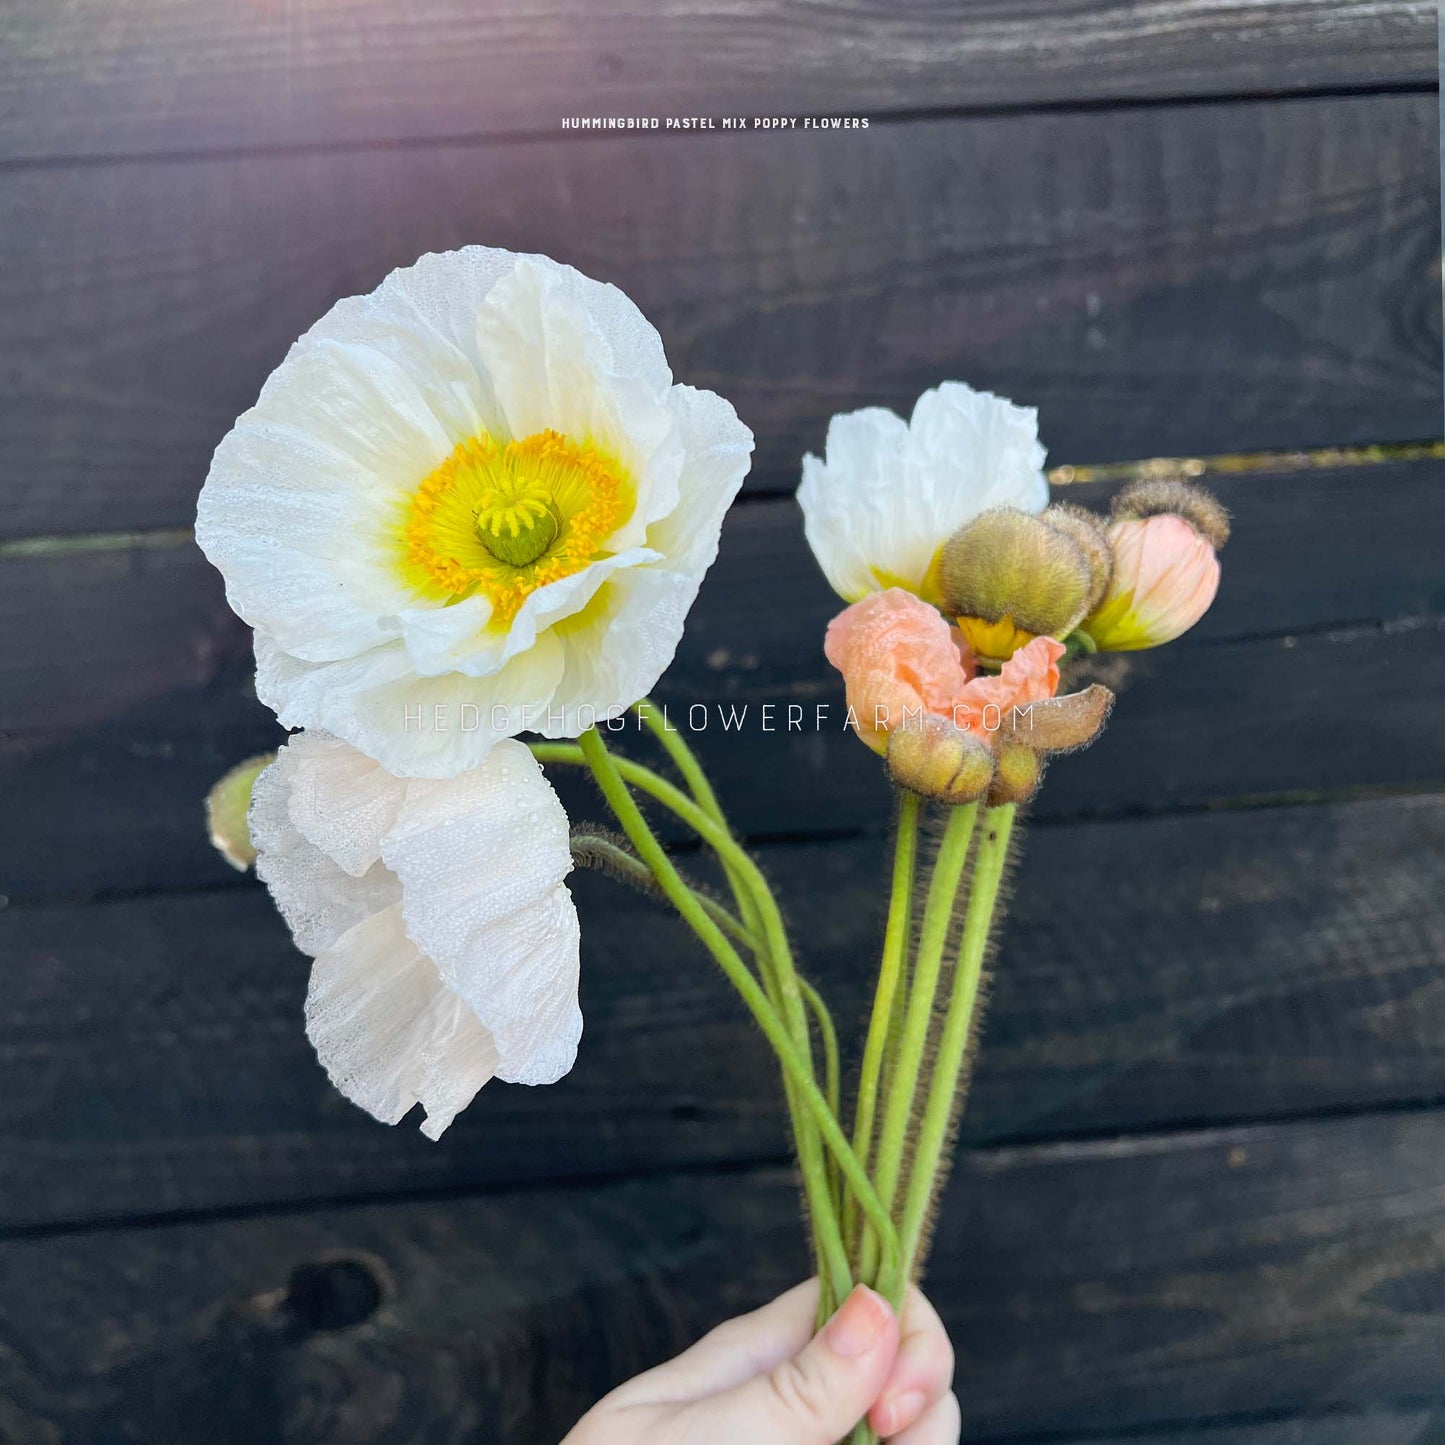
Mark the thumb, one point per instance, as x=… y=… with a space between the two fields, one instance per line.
x=817 y=1396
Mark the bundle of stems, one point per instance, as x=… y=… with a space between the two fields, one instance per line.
x=870 y=1190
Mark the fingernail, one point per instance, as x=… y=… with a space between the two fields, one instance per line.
x=855 y=1329
x=900 y=1412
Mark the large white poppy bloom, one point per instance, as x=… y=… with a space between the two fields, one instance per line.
x=468 y=505
x=445 y=940
x=889 y=493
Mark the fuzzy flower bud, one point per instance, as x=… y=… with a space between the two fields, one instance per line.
x=938 y=760
x=1092 y=535
x=1009 y=577
x=1017 y=777
x=226 y=807
x=1164 y=538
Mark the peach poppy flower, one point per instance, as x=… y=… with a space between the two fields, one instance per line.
x=916 y=696
x=902 y=662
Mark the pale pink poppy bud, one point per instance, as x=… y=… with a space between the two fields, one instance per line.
x=1165 y=577
x=1166 y=538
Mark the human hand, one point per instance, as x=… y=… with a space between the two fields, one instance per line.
x=766 y=1379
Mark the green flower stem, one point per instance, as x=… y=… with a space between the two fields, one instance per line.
x=771 y=969
x=895 y=950
x=591 y=849
x=682 y=758
x=903 y=1085
x=722 y=842
x=685 y=761
x=988 y=872
x=832 y=1084
x=611 y=779
x=781 y=985
x=775 y=959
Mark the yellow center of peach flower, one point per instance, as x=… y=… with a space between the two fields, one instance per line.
x=504 y=519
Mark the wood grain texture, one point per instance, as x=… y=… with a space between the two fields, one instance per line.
x=1239 y=965
x=1382 y=1426
x=123 y=699
x=1092 y=1288
x=1175 y=280
x=85 y=78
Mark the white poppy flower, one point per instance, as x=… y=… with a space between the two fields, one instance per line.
x=445 y=940
x=468 y=505
x=879 y=506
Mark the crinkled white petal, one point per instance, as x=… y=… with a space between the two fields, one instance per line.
x=422 y=318
x=306 y=493
x=319 y=899
x=616 y=654
x=444 y=639
x=719 y=451
x=339 y=800
x=414 y=726
x=576 y=355
x=389 y=1032
x=889 y=493
x=481 y=859
x=455 y=955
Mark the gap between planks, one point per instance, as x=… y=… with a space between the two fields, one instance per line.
x=1277 y=463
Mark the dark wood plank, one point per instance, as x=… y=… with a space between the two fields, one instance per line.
x=125 y=691
x=1407 y=1426
x=86 y=79
x=1177 y=280
x=1092 y=1288
x=1237 y=965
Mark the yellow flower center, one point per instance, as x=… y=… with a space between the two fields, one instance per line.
x=507 y=518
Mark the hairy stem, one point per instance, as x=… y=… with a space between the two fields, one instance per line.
x=949 y=1066
x=597 y=850
x=895 y=950
x=903 y=1085
x=612 y=777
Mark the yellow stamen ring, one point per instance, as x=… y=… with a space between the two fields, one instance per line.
x=506 y=519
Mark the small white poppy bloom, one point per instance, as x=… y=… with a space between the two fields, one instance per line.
x=468 y=505
x=888 y=494
x=445 y=940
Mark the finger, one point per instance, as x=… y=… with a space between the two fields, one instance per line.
x=922 y=1372
x=736 y=1351
x=940 y=1425
x=816 y=1396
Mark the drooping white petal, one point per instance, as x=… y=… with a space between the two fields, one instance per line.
x=339 y=800
x=389 y=1032
x=481 y=859
x=888 y=494
x=614 y=656
x=454 y=957
x=319 y=899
